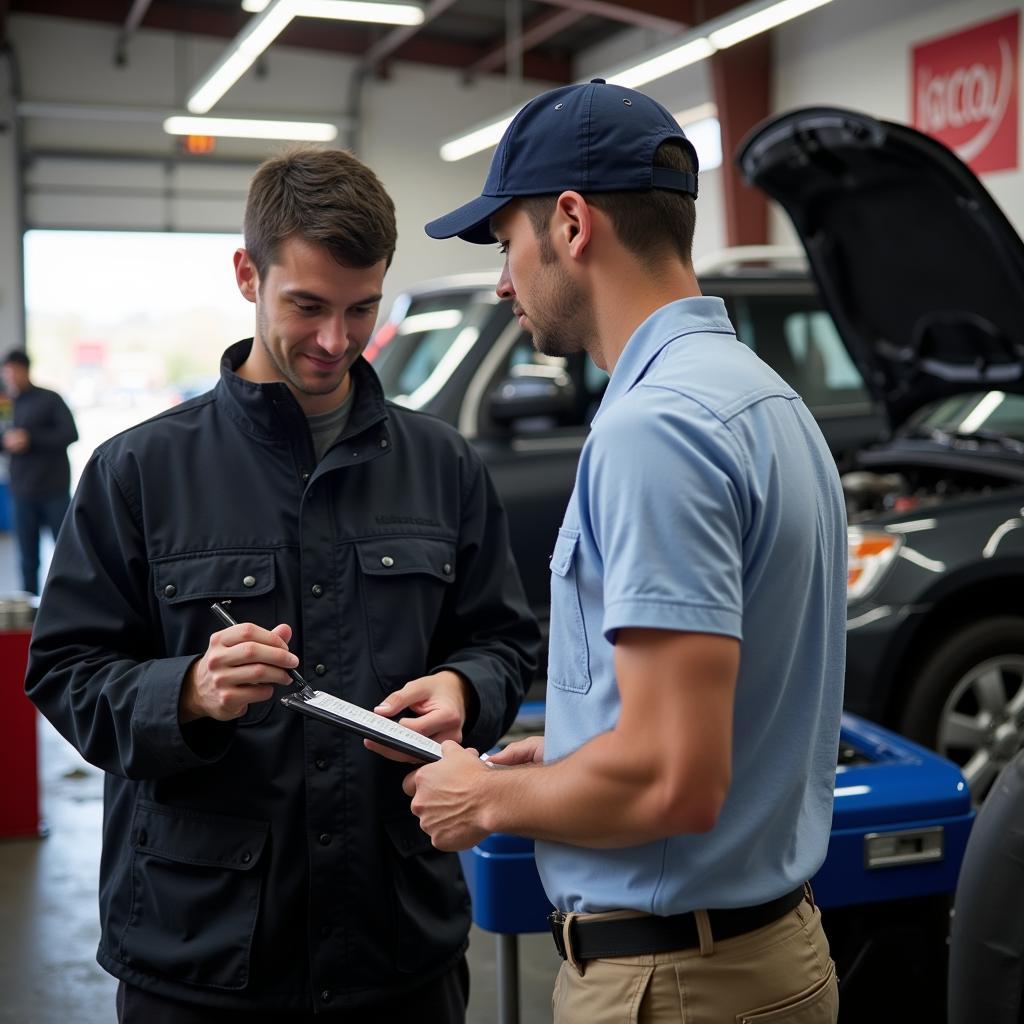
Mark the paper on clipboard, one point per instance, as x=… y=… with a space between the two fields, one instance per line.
x=328 y=708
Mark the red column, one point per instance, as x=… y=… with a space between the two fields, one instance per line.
x=19 y=773
x=742 y=84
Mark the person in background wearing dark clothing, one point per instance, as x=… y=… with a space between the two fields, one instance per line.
x=37 y=444
x=260 y=865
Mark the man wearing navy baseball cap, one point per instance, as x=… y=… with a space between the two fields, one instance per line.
x=682 y=794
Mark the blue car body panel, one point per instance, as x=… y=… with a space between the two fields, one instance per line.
x=894 y=786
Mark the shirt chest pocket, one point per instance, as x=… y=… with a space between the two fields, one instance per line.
x=244 y=579
x=405 y=581
x=568 y=648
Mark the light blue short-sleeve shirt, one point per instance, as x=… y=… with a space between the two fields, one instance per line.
x=706 y=501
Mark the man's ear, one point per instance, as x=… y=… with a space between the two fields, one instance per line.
x=574 y=223
x=246 y=275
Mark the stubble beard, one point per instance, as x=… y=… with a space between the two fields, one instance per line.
x=569 y=322
x=286 y=371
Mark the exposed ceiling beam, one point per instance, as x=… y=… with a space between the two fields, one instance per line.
x=383 y=49
x=535 y=32
x=131 y=23
x=540 y=66
x=663 y=15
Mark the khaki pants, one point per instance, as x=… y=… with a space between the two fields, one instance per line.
x=779 y=974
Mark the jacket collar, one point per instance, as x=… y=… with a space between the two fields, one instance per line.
x=270 y=411
x=702 y=314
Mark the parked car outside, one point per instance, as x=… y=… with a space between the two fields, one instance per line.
x=908 y=347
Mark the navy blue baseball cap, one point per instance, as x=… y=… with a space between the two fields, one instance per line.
x=585 y=138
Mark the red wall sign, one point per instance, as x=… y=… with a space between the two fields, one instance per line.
x=965 y=92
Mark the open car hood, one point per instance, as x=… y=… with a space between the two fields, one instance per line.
x=920 y=269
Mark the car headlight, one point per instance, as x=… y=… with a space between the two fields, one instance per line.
x=870 y=553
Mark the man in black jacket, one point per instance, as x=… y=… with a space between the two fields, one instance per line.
x=260 y=865
x=37 y=443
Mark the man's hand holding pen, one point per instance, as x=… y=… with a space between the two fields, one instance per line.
x=242 y=665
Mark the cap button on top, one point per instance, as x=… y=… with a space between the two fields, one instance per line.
x=249 y=581
x=598 y=81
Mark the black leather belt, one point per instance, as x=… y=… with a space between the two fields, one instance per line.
x=632 y=936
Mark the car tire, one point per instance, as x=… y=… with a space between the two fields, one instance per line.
x=967 y=700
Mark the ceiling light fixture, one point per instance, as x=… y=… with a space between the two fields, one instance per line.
x=664 y=64
x=239 y=57
x=696 y=45
x=350 y=10
x=250 y=128
x=473 y=142
x=761 y=21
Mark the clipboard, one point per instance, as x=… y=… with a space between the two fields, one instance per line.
x=335 y=711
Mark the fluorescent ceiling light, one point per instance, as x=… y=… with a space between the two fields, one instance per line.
x=761 y=21
x=664 y=64
x=349 y=10
x=473 y=142
x=696 y=45
x=248 y=128
x=705 y=133
x=247 y=46
x=692 y=115
x=706 y=137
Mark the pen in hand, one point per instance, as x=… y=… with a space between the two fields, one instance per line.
x=305 y=690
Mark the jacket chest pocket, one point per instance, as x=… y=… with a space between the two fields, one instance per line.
x=195 y=895
x=404 y=584
x=243 y=579
x=568 y=649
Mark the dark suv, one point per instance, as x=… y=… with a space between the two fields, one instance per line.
x=907 y=345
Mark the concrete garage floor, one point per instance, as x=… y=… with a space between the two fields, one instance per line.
x=48 y=917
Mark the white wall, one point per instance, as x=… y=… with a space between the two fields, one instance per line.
x=857 y=54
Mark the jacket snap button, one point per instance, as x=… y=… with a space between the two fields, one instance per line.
x=320 y=669
x=305 y=476
x=327 y=995
x=383 y=442
x=318 y=591
x=143 y=838
x=325 y=840
x=387 y=561
x=447 y=568
x=321 y=763
x=246 y=857
x=249 y=581
x=170 y=590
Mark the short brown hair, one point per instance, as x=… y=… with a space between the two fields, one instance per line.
x=649 y=223
x=325 y=196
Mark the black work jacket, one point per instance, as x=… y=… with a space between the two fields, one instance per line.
x=42 y=470
x=274 y=862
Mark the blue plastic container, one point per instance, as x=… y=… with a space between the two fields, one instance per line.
x=900 y=823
